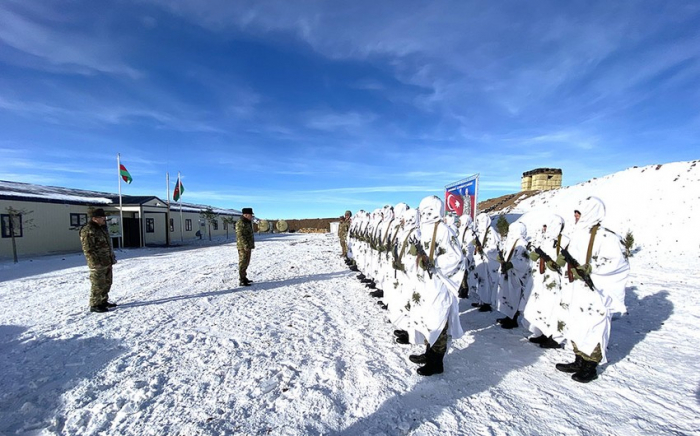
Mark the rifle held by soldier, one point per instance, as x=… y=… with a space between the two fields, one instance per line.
x=581 y=271
x=544 y=259
x=422 y=258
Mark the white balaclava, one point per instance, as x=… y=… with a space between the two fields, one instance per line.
x=516 y=231
x=592 y=211
x=483 y=222
x=555 y=225
x=399 y=209
x=431 y=210
x=410 y=219
x=387 y=213
x=465 y=221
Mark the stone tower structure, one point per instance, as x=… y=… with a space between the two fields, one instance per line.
x=541 y=179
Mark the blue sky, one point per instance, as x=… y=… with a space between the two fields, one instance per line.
x=308 y=108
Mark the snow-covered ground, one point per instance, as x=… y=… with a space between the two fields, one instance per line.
x=306 y=351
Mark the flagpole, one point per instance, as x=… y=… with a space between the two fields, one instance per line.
x=476 y=197
x=182 y=229
x=121 y=214
x=167 y=214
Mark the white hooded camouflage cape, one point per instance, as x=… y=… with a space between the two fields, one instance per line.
x=515 y=284
x=466 y=241
x=435 y=301
x=407 y=271
x=544 y=302
x=483 y=278
x=384 y=233
x=586 y=317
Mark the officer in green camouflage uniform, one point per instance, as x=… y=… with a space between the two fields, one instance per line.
x=245 y=243
x=343 y=228
x=97 y=247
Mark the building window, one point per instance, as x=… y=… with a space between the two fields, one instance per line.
x=215 y=224
x=15 y=225
x=78 y=219
x=188 y=225
x=150 y=225
x=172 y=225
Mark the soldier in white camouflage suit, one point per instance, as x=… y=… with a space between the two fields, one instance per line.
x=596 y=272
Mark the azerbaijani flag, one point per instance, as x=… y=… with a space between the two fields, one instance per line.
x=179 y=189
x=125 y=173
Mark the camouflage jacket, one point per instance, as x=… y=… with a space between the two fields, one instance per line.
x=343 y=228
x=244 y=234
x=97 y=245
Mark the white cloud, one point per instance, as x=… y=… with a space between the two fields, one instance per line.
x=53 y=49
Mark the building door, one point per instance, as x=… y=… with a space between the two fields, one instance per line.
x=132 y=232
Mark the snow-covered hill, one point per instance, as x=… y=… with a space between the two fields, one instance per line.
x=657 y=203
x=306 y=351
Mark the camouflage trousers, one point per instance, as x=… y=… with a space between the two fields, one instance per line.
x=440 y=345
x=100 y=284
x=344 y=246
x=243 y=262
x=595 y=356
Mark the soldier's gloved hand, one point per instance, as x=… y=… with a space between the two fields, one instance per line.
x=561 y=261
x=551 y=265
x=580 y=271
x=424 y=262
x=413 y=250
x=506 y=266
x=534 y=256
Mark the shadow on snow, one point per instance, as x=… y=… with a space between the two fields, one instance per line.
x=36 y=371
x=643 y=316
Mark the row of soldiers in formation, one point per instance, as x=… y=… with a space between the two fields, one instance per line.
x=564 y=284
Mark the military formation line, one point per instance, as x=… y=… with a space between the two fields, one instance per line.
x=563 y=285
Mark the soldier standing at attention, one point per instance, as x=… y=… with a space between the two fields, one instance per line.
x=245 y=243
x=343 y=228
x=100 y=257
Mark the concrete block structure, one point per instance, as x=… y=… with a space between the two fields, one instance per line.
x=541 y=179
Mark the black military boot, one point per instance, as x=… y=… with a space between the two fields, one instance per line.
x=402 y=339
x=476 y=304
x=371 y=285
x=433 y=363
x=588 y=372
x=377 y=294
x=538 y=340
x=354 y=267
x=574 y=366
x=511 y=323
x=110 y=305
x=398 y=333
x=420 y=359
x=463 y=292
x=485 y=308
x=360 y=276
x=99 y=309
x=550 y=343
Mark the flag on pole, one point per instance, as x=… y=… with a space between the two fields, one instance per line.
x=125 y=174
x=179 y=189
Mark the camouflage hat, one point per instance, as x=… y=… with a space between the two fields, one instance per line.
x=247 y=210
x=347 y=212
x=98 y=213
